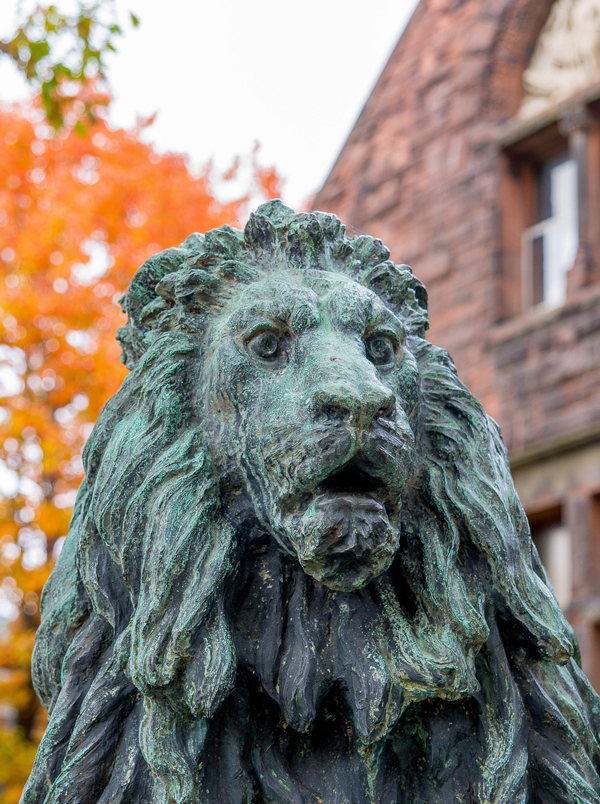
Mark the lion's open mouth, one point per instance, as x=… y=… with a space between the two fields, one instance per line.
x=351 y=479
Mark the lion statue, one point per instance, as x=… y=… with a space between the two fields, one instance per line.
x=298 y=571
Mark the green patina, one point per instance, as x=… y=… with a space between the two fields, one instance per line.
x=298 y=570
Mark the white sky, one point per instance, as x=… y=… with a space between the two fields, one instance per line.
x=221 y=75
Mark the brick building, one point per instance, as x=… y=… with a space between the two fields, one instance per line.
x=476 y=159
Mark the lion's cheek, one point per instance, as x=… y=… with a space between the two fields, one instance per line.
x=345 y=542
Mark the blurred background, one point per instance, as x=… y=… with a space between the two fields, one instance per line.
x=464 y=133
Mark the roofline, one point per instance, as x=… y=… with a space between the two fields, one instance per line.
x=417 y=11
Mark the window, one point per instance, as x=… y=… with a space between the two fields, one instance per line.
x=550 y=206
x=549 y=246
x=553 y=542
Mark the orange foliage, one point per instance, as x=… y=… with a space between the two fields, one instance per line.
x=78 y=215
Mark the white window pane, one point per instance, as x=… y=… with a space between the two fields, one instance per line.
x=561 y=236
x=563 y=189
x=554 y=546
x=560 y=249
x=550 y=246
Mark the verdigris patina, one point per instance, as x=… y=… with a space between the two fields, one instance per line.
x=298 y=570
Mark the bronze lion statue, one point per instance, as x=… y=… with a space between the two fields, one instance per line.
x=298 y=570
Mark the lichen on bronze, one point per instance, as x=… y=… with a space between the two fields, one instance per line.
x=298 y=570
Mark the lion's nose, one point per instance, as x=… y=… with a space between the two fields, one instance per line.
x=354 y=406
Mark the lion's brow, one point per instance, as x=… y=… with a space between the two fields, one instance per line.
x=361 y=313
x=299 y=310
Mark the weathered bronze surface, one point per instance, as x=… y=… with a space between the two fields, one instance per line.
x=298 y=570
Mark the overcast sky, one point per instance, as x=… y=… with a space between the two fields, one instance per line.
x=221 y=75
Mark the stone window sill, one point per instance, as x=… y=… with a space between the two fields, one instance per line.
x=541 y=316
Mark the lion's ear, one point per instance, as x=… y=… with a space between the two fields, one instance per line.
x=156 y=518
x=65 y=606
x=471 y=490
x=505 y=538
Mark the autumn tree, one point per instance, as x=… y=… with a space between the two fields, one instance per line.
x=78 y=215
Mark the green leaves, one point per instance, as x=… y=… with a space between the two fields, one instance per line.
x=63 y=57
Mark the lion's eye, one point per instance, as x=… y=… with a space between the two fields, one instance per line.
x=380 y=349
x=266 y=345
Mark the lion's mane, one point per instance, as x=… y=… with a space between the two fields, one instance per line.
x=457 y=660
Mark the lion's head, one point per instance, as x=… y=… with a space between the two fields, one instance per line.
x=297 y=548
x=309 y=403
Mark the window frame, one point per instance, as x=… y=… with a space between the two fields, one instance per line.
x=544 y=525
x=574 y=127
x=542 y=228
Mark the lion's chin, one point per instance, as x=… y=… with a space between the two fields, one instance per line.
x=345 y=541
